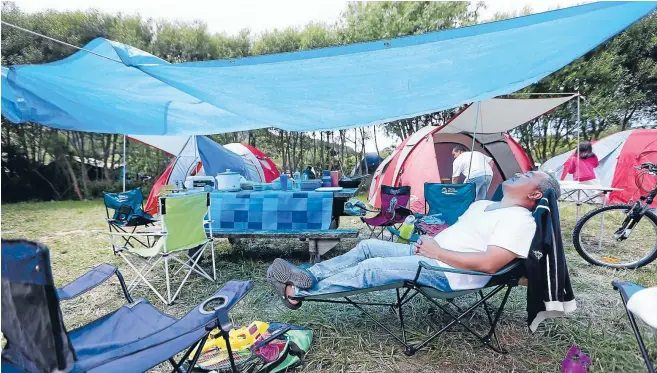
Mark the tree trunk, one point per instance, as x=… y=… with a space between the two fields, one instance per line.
x=342 y=140
x=314 y=149
x=281 y=137
x=376 y=145
x=301 y=147
x=74 y=181
x=78 y=143
x=321 y=150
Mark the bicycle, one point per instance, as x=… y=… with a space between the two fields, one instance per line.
x=620 y=235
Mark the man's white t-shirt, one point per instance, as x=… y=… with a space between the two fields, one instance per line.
x=511 y=228
x=480 y=166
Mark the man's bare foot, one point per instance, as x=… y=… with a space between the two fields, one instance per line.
x=289 y=293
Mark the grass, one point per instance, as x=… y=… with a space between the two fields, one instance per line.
x=344 y=339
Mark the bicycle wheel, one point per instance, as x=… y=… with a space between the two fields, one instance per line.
x=595 y=241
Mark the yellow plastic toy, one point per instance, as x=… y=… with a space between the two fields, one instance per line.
x=240 y=339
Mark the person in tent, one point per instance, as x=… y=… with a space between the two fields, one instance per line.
x=582 y=165
x=486 y=237
x=475 y=167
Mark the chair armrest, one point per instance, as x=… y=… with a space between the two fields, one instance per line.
x=90 y=280
x=513 y=264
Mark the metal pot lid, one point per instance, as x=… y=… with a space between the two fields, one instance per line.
x=228 y=172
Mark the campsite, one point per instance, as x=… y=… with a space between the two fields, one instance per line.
x=381 y=186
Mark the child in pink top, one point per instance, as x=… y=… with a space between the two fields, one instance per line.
x=582 y=168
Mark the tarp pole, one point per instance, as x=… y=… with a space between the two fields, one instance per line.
x=579 y=125
x=474 y=135
x=125 y=164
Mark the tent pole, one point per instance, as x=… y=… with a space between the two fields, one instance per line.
x=474 y=135
x=125 y=164
x=579 y=125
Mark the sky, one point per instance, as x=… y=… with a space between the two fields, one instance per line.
x=232 y=16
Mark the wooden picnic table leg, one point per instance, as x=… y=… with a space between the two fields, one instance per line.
x=338 y=210
x=318 y=247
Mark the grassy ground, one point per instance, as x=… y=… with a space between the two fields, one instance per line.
x=345 y=340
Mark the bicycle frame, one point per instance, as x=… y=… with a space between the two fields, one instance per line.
x=634 y=215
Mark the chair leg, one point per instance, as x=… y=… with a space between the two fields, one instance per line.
x=457 y=319
x=639 y=339
x=166 y=276
x=191 y=268
x=142 y=276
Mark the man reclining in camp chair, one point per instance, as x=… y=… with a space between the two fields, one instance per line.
x=488 y=236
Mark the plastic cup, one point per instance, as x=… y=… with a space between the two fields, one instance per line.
x=283 y=179
x=335 y=175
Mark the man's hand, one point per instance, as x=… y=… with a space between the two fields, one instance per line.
x=428 y=247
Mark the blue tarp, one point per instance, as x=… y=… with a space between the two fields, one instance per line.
x=324 y=89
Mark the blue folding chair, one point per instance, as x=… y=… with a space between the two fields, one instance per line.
x=134 y=338
x=448 y=200
x=127 y=211
x=627 y=290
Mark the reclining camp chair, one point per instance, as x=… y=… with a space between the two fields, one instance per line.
x=503 y=280
x=182 y=234
x=134 y=338
x=642 y=309
x=392 y=198
x=128 y=212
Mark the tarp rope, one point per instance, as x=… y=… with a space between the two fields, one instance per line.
x=60 y=42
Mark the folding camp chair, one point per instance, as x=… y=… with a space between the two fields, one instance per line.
x=505 y=279
x=128 y=211
x=448 y=200
x=627 y=290
x=182 y=233
x=392 y=198
x=134 y=338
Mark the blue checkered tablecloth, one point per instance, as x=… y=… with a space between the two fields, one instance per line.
x=271 y=210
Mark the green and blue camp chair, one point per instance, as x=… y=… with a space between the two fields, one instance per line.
x=448 y=200
x=643 y=309
x=127 y=212
x=134 y=338
x=182 y=233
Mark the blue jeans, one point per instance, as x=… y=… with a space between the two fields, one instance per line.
x=372 y=263
x=482 y=183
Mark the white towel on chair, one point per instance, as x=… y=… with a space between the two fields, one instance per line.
x=643 y=304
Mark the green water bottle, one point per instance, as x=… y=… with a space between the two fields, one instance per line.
x=406 y=230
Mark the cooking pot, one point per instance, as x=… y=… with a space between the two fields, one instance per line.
x=228 y=181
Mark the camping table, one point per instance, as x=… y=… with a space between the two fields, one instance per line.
x=575 y=189
x=271 y=210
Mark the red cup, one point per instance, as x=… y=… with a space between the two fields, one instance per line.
x=335 y=175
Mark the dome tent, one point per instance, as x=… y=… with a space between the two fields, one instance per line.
x=266 y=168
x=193 y=155
x=367 y=165
x=618 y=153
x=425 y=156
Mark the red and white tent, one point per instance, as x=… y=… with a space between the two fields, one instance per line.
x=425 y=156
x=266 y=167
x=618 y=154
